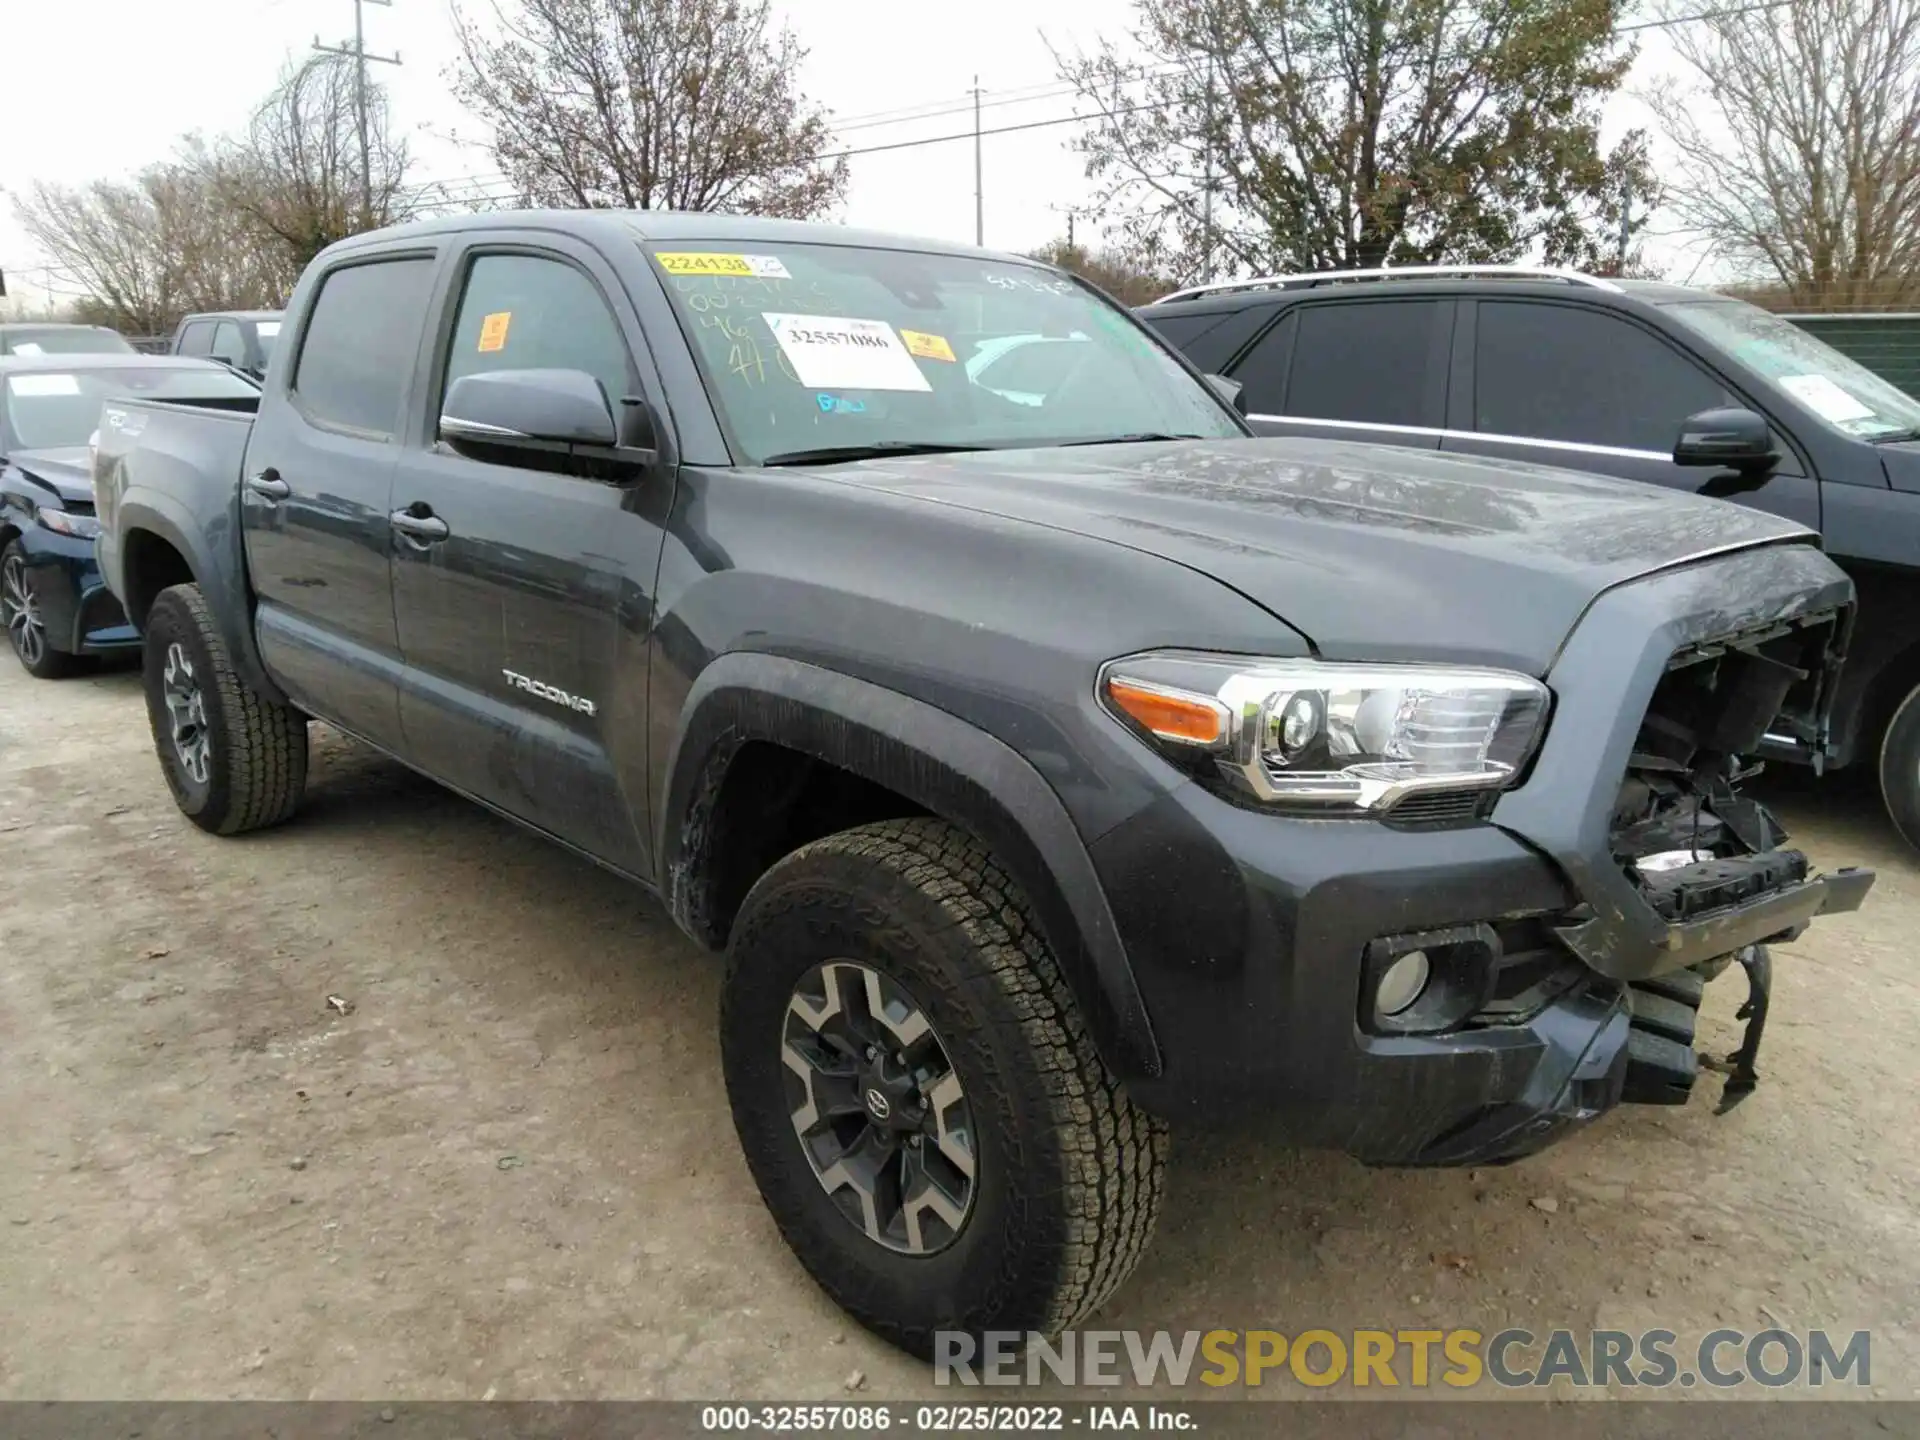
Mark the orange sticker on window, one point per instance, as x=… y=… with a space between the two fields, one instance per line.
x=927 y=347
x=493 y=331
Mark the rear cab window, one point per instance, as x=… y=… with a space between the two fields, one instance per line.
x=806 y=347
x=361 y=340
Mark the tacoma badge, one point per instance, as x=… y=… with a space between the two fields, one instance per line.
x=549 y=692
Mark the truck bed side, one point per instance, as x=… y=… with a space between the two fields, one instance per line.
x=167 y=482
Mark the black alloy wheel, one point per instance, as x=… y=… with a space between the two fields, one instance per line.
x=26 y=627
x=878 y=1107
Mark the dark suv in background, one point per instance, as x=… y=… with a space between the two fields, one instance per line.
x=241 y=340
x=1631 y=378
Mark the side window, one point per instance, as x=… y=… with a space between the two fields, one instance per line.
x=227 y=345
x=1372 y=361
x=1563 y=372
x=1264 y=370
x=361 y=339
x=525 y=312
x=197 y=338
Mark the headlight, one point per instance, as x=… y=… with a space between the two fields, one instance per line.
x=65 y=522
x=1332 y=737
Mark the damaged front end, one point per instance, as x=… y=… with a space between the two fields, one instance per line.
x=1707 y=860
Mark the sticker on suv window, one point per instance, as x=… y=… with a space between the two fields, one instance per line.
x=833 y=352
x=1824 y=398
x=493 y=331
x=707 y=262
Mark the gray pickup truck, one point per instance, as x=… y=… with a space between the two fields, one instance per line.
x=1053 y=760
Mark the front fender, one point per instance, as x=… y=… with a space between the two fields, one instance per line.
x=938 y=761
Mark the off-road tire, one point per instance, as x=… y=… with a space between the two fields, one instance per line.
x=257 y=748
x=1900 y=768
x=1069 y=1171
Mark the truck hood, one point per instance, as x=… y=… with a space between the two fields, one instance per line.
x=67 y=471
x=1371 y=552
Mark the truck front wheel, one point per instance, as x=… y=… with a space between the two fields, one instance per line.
x=233 y=759
x=917 y=1095
x=1900 y=768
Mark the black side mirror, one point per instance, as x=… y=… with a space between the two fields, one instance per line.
x=1231 y=391
x=508 y=409
x=1732 y=438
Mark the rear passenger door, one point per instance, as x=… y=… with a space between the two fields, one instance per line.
x=1586 y=388
x=1352 y=369
x=316 y=492
x=545 y=575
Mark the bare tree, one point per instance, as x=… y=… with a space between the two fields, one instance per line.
x=1257 y=135
x=1799 y=146
x=1112 y=271
x=649 y=104
x=293 y=178
x=147 y=250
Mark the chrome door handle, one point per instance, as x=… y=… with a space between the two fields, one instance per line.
x=269 y=486
x=419 y=527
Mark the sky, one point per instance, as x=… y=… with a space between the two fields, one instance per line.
x=100 y=88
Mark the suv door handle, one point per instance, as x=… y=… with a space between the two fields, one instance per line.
x=269 y=486
x=416 y=526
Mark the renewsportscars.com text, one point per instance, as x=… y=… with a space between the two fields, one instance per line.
x=1410 y=1359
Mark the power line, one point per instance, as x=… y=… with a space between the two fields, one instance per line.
x=484 y=183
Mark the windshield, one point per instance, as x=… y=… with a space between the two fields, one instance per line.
x=266 y=331
x=1838 y=389
x=832 y=348
x=48 y=409
x=66 y=340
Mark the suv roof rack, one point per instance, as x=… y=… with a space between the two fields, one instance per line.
x=1398 y=272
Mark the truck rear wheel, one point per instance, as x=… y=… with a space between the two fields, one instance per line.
x=917 y=1095
x=234 y=759
x=1900 y=768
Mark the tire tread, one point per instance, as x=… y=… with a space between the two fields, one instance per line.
x=1113 y=1154
x=266 y=742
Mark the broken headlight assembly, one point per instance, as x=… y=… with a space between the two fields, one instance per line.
x=1326 y=737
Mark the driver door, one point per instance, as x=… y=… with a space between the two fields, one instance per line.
x=523 y=596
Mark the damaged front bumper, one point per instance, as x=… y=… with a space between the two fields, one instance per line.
x=1577 y=925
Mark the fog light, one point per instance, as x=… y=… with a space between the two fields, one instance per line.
x=1403 y=983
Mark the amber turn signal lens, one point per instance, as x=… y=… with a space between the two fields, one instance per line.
x=1187 y=719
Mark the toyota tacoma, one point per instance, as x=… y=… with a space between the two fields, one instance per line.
x=1052 y=764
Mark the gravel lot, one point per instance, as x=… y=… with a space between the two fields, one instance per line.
x=509 y=1170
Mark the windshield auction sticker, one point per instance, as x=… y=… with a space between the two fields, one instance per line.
x=928 y=347
x=707 y=262
x=829 y=352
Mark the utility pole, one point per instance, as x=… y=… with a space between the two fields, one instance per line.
x=1206 y=193
x=1626 y=224
x=357 y=52
x=979 y=193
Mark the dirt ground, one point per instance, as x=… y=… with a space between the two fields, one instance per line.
x=509 y=1170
